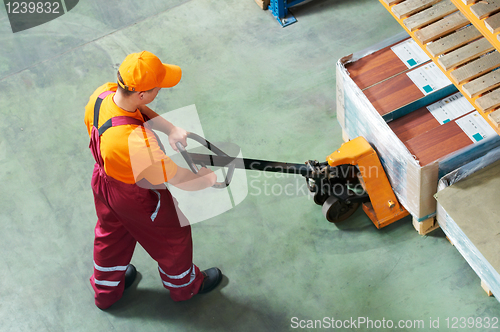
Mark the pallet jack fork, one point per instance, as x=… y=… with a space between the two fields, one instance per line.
x=334 y=184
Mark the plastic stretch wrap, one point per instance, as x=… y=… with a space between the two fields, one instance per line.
x=469 y=251
x=413 y=184
x=470 y=168
x=464 y=245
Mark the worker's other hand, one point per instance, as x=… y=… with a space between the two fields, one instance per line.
x=209 y=175
x=177 y=134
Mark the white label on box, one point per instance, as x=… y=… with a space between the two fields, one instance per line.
x=410 y=53
x=450 y=108
x=428 y=78
x=476 y=127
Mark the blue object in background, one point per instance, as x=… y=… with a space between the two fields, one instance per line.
x=279 y=8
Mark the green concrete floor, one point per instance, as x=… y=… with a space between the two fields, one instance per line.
x=271 y=90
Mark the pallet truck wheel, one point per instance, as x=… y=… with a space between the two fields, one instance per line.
x=336 y=211
x=318 y=198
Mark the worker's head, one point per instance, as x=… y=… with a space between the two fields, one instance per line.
x=142 y=75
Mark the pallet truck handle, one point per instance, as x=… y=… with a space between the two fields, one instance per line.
x=211 y=147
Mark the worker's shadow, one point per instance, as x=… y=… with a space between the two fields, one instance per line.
x=211 y=310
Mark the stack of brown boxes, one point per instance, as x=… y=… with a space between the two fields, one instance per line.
x=422 y=128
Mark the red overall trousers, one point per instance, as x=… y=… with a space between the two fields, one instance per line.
x=128 y=213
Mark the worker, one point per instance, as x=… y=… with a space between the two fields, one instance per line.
x=131 y=199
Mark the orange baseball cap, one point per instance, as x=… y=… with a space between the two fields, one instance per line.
x=144 y=71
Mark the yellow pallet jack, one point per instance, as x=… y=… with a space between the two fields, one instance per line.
x=350 y=176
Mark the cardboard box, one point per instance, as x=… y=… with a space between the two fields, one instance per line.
x=359 y=114
x=379 y=66
x=263 y=3
x=468 y=211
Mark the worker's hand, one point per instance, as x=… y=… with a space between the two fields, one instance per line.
x=177 y=134
x=209 y=175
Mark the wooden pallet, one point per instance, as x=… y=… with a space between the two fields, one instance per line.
x=486 y=288
x=484 y=285
x=426 y=226
x=467 y=53
x=263 y=3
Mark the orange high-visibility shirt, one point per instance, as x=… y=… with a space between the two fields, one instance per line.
x=130 y=152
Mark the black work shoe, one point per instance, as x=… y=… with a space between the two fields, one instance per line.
x=213 y=277
x=130 y=275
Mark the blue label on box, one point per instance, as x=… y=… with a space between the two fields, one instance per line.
x=427 y=88
x=412 y=62
x=477 y=137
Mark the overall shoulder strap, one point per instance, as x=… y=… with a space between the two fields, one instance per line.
x=98 y=131
x=94 y=144
x=119 y=121
x=113 y=122
x=97 y=106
